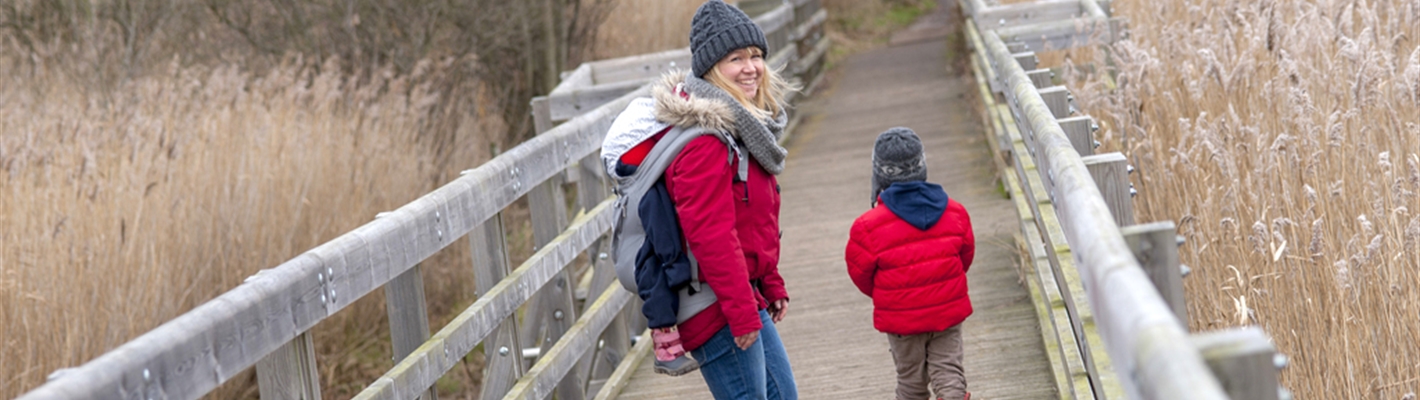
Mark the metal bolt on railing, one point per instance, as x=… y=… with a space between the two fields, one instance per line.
x=1279 y=360
x=1184 y=270
x=1003 y=22
x=503 y=351
x=1132 y=192
x=602 y=256
x=1180 y=240
x=1284 y=394
x=1094 y=126
x=1129 y=168
x=557 y=315
x=1097 y=144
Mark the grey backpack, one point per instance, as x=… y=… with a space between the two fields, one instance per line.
x=628 y=234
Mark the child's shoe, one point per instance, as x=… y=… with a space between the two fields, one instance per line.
x=679 y=366
x=670 y=356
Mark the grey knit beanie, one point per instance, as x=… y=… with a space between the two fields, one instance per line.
x=897 y=157
x=716 y=30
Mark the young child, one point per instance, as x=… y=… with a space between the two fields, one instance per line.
x=662 y=265
x=910 y=253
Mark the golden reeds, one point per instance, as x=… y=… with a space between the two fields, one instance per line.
x=119 y=213
x=1283 y=138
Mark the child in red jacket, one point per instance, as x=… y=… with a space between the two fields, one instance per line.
x=910 y=253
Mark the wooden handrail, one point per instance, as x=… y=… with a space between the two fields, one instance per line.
x=266 y=319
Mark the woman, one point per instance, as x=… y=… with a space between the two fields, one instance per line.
x=727 y=207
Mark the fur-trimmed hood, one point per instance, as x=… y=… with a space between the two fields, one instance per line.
x=676 y=108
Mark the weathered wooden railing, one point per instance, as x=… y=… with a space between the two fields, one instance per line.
x=1108 y=292
x=536 y=338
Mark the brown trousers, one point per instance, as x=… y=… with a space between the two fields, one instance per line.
x=933 y=357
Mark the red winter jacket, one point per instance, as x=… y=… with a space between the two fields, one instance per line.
x=910 y=253
x=732 y=228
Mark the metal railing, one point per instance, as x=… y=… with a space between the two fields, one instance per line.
x=1108 y=292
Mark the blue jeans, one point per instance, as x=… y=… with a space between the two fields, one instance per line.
x=761 y=372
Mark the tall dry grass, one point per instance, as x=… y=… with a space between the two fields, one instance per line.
x=1284 y=140
x=122 y=211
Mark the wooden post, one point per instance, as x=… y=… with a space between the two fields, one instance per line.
x=502 y=351
x=1081 y=131
x=1111 y=174
x=408 y=316
x=290 y=371
x=1057 y=98
x=1243 y=361
x=1028 y=60
x=552 y=307
x=1155 y=245
x=591 y=191
x=1041 y=77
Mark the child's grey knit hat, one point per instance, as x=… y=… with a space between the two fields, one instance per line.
x=897 y=157
x=716 y=30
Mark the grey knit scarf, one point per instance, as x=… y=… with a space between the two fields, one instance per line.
x=760 y=137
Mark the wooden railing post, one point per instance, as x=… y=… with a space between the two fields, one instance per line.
x=615 y=340
x=408 y=316
x=1244 y=361
x=552 y=309
x=502 y=351
x=1155 y=245
x=290 y=371
x=1081 y=131
x=1111 y=174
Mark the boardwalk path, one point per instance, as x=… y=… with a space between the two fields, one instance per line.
x=832 y=345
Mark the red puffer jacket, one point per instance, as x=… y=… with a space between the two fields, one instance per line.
x=911 y=254
x=732 y=228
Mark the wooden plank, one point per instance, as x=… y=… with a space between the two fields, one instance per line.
x=814 y=58
x=803 y=30
x=566 y=104
x=625 y=370
x=557 y=362
x=1058 y=99
x=1142 y=337
x=1110 y=172
x=639 y=68
x=1027 y=60
x=502 y=367
x=1155 y=245
x=290 y=371
x=600 y=363
x=408 y=317
x=1041 y=77
x=1067 y=34
x=1025 y=13
x=1081 y=132
x=1243 y=360
x=447 y=347
x=776 y=20
x=551 y=312
x=581 y=77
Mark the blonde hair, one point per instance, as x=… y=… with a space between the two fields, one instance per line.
x=772 y=88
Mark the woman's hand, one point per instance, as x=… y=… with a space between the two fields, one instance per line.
x=778 y=309
x=746 y=340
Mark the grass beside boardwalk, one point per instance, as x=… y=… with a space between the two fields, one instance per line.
x=1281 y=138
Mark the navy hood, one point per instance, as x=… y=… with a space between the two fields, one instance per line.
x=918 y=202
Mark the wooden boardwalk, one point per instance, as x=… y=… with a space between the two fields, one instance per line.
x=832 y=345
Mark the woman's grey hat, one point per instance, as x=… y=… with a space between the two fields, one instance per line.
x=716 y=30
x=897 y=157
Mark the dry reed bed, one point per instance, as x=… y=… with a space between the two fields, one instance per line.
x=1284 y=140
x=121 y=211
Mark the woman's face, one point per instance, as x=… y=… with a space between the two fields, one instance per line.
x=744 y=68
